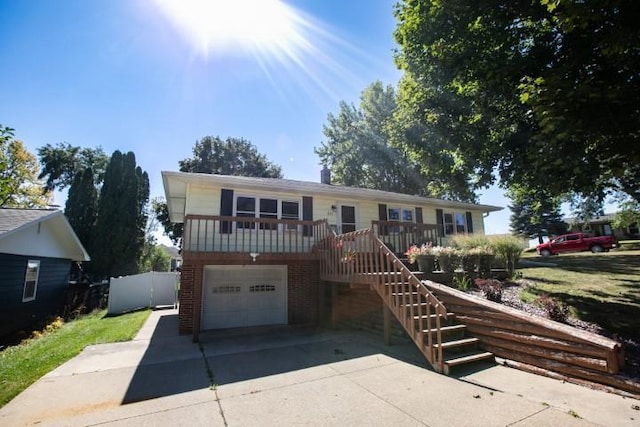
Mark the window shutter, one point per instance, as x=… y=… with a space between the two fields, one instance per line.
x=418 y=215
x=382 y=216
x=469 y=223
x=226 y=209
x=307 y=215
x=440 y=222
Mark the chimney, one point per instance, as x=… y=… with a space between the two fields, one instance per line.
x=325 y=175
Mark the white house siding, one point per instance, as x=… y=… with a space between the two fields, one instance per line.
x=202 y=201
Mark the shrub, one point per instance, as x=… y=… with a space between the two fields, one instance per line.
x=461 y=282
x=490 y=288
x=508 y=250
x=556 y=310
x=470 y=241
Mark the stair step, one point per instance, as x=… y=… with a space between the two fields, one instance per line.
x=432 y=316
x=469 y=358
x=395 y=294
x=446 y=329
x=457 y=343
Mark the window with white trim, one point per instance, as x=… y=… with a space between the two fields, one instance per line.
x=454 y=223
x=31 y=280
x=268 y=209
x=400 y=214
x=290 y=210
x=245 y=207
x=255 y=207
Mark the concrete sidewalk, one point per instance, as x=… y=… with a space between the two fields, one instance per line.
x=294 y=376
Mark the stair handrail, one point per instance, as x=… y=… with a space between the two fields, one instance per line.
x=362 y=256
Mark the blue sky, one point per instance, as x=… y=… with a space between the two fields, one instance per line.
x=129 y=75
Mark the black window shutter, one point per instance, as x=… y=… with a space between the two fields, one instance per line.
x=382 y=216
x=418 y=215
x=440 y=222
x=469 y=223
x=307 y=215
x=226 y=209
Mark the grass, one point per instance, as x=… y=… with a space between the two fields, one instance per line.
x=24 y=364
x=600 y=288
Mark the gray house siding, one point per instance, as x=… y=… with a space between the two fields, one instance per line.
x=53 y=282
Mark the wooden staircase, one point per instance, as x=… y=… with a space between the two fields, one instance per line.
x=360 y=258
x=449 y=339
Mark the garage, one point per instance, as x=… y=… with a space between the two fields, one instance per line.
x=239 y=296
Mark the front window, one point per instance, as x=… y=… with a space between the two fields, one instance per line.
x=400 y=214
x=31 y=280
x=460 y=223
x=246 y=207
x=454 y=223
x=268 y=209
x=291 y=210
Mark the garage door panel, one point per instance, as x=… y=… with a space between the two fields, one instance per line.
x=235 y=296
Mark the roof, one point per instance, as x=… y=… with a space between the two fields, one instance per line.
x=175 y=185
x=600 y=219
x=16 y=225
x=13 y=219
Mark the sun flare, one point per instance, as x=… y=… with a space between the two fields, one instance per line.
x=213 y=26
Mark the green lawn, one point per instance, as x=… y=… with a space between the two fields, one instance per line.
x=22 y=365
x=601 y=288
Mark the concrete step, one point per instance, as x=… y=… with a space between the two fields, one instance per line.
x=467 y=359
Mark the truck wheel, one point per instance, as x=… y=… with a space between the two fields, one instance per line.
x=597 y=249
x=545 y=252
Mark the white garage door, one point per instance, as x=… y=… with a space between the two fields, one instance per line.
x=238 y=296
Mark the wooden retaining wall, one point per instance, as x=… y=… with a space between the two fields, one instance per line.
x=515 y=335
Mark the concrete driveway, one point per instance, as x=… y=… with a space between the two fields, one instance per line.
x=294 y=376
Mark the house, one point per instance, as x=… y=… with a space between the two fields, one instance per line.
x=37 y=249
x=259 y=251
x=601 y=226
x=248 y=244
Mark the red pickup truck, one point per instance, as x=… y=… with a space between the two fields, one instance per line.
x=576 y=242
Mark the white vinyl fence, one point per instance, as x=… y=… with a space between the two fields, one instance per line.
x=142 y=290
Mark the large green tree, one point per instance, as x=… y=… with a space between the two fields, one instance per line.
x=62 y=162
x=544 y=92
x=81 y=207
x=233 y=156
x=360 y=152
x=122 y=217
x=19 y=186
x=212 y=155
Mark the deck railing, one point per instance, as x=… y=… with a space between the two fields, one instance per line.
x=361 y=257
x=204 y=233
x=399 y=235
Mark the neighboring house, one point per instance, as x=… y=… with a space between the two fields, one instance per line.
x=249 y=247
x=37 y=248
x=601 y=226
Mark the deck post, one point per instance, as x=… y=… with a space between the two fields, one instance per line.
x=334 y=298
x=386 y=316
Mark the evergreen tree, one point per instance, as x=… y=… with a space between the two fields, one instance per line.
x=535 y=215
x=81 y=207
x=121 y=217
